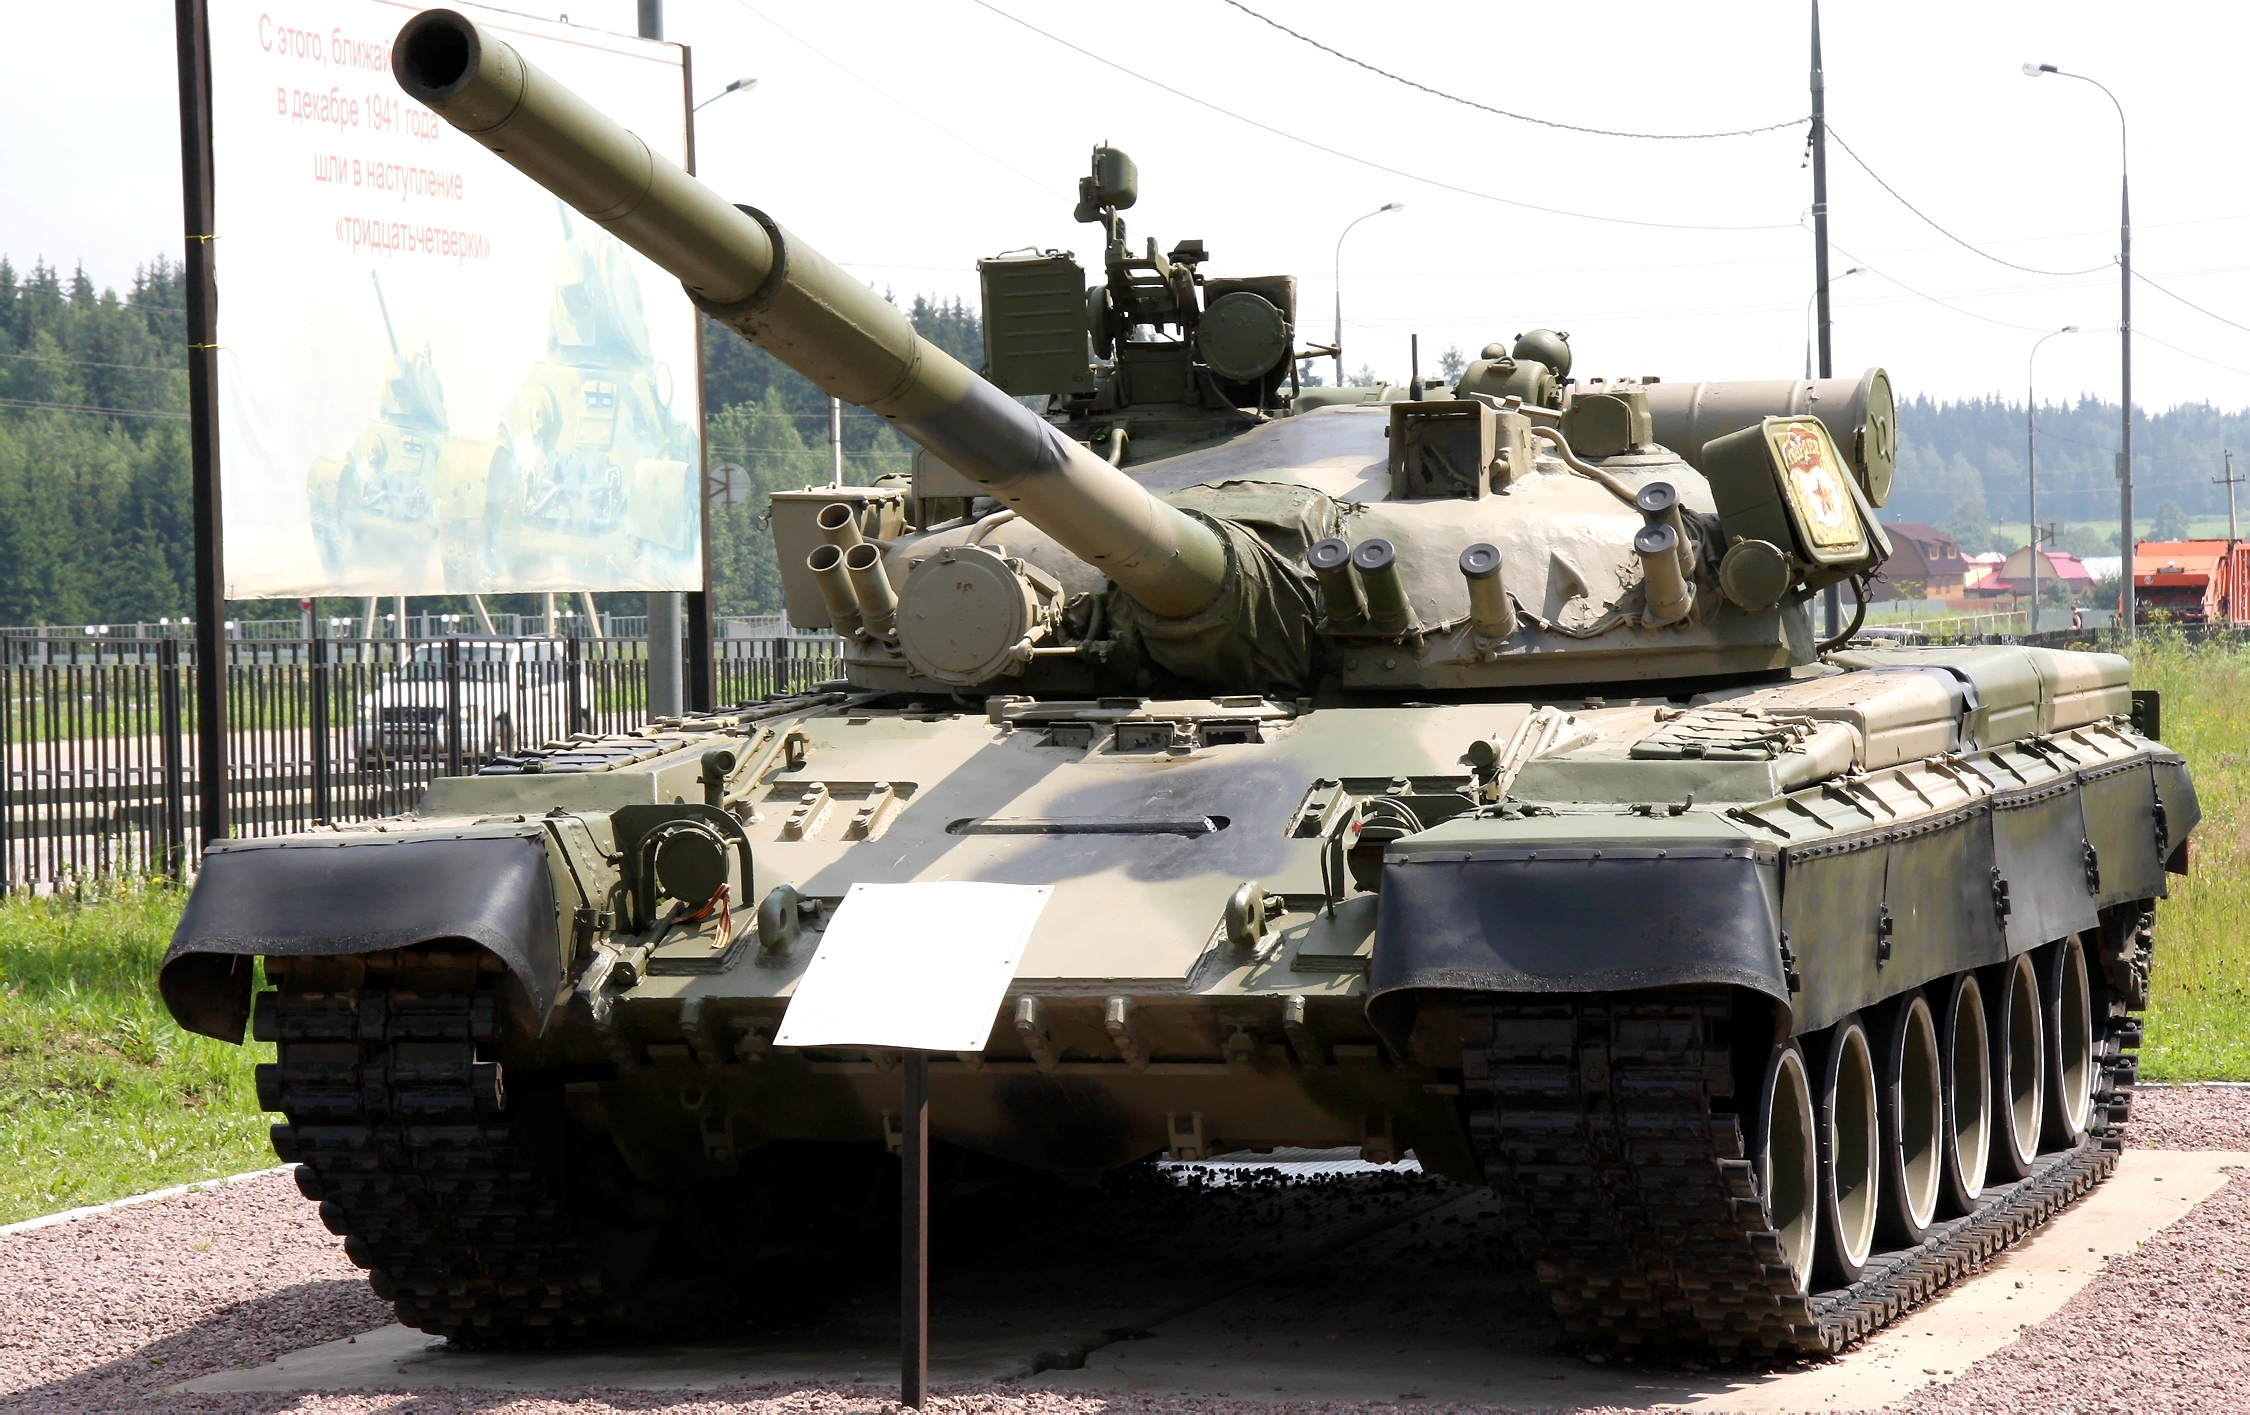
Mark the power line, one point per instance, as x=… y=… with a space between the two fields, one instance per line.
x=2159 y=289
x=1352 y=158
x=78 y=408
x=1909 y=289
x=1927 y=220
x=1500 y=112
x=88 y=363
x=2230 y=368
x=894 y=100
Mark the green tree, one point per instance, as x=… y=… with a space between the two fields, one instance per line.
x=1452 y=362
x=2171 y=521
x=1970 y=524
x=94 y=485
x=763 y=438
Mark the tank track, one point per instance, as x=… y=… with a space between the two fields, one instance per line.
x=1608 y=1123
x=398 y=1130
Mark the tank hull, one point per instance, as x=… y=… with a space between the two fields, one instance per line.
x=1580 y=953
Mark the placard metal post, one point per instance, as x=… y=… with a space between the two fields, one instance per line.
x=914 y=1230
x=914 y=968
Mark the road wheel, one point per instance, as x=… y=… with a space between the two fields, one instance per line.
x=1788 y=1159
x=1844 y=1118
x=1967 y=1049
x=2066 y=997
x=1910 y=1080
x=2019 y=1064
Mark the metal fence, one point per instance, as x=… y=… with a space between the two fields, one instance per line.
x=98 y=735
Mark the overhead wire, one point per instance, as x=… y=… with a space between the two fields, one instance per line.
x=2230 y=368
x=1357 y=62
x=1942 y=304
x=894 y=100
x=89 y=363
x=1354 y=158
x=2210 y=314
x=81 y=408
x=1931 y=222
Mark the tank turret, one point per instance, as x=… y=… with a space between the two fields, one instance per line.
x=1153 y=524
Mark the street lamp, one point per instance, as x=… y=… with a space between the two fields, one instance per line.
x=1339 y=341
x=2124 y=339
x=1855 y=270
x=2031 y=461
x=738 y=86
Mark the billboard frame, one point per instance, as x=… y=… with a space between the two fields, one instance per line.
x=198 y=188
x=199 y=268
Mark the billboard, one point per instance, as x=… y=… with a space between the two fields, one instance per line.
x=434 y=378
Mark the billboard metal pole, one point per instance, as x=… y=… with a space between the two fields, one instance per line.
x=702 y=625
x=191 y=22
x=670 y=690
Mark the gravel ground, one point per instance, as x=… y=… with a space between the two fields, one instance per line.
x=2191 y=1118
x=103 y=1314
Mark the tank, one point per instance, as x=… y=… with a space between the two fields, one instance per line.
x=1450 y=770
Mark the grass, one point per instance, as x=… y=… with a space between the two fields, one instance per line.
x=101 y=1095
x=2199 y=1011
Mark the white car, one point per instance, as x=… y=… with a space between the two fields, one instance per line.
x=512 y=693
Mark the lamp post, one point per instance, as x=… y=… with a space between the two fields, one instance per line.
x=1809 y=299
x=670 y=617
x=741 y=85
x=1339 y=340
x=2124 y=338
x=2031 y=461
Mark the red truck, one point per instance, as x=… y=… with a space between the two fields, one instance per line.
x=2192 y=581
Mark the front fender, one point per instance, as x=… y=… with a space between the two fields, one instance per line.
x=361 y=893
x=1462 y=915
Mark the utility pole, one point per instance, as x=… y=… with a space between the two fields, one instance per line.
x=2234 y=590
x=1832 y=599
x=2230 y=481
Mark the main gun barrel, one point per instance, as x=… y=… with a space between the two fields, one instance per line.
x=754 y=276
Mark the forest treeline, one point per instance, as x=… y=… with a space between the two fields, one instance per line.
x=1961 y=467
x=95 y=522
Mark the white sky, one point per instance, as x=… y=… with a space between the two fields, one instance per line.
x=908 y=139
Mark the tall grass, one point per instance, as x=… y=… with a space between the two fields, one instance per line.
x=2199 y=1013
x=101 y=1094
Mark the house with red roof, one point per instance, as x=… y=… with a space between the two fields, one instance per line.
x=1925 y=563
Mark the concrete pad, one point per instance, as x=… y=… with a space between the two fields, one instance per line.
x=396 y=1358
x=1427 y=1302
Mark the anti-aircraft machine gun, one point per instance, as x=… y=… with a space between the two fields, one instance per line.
x=1457 y=773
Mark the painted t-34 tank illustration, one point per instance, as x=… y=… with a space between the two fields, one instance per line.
x=1458 y=773
x=592 y=483
x=375 y=510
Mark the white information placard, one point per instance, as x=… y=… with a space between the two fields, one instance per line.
x=924 y=966
x=434 y=377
